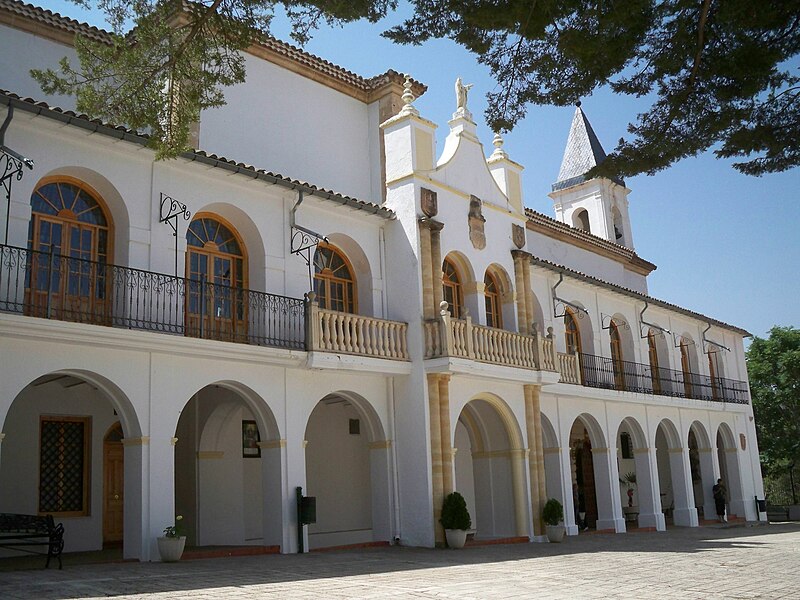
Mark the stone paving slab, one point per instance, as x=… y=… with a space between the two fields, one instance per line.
x=707 y=563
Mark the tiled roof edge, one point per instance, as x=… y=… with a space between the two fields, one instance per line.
x=550 y=222
x=633 y=293
x=85 y=122
x=66 y=24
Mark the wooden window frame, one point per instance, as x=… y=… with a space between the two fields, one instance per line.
x=456 y=288
x=87 y=462
x=493 y=300
x=686 y=368
x=617 y=356
x=572 y=335
x=652 y=353
x=325 y=277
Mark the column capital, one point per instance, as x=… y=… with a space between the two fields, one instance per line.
x=137 y=441
x=270 y=444
x=430 y=224
x=599 y=450
x=521 y=255
x=173 y=441
x=380 y=445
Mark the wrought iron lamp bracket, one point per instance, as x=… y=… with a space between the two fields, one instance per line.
x=644 y=332
x=302 y=241
x=605 y=322
x=709 y=345
x=169 y=211
x=560 y=305
x=11 y=167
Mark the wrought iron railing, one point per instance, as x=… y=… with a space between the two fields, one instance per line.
x=603 y=372
x=54 y=286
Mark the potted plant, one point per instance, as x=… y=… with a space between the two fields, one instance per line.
x=553 y=517
x=170 y=545
x=455 y=520
x=630 y=511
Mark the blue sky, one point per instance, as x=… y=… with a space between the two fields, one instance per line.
x=726 y=245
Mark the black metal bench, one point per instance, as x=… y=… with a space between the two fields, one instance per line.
x=23 y=532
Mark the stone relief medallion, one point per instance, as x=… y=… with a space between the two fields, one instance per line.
x=476 y=222
x=429 y=203
x=518 y=235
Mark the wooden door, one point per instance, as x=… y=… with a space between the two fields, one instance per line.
x=113 y=491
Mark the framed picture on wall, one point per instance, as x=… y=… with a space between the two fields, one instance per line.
x=250 y=439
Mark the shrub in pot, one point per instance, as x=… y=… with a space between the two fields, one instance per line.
x=455 y=520
x=553 y=517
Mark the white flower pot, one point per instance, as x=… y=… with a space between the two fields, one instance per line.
x=555 y=533
x=171 y=548
x=456 y=538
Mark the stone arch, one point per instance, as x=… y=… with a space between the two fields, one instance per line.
x=362 y=271
x=488 y=466
x=111 y=198
x=593 y=487
x=89 y=404
x=580 y=220
x=229 y=492
x=347 y=459
x=674 y=476
x=640 y=505
x=730 y=469
x=248 y=232
x=671 y=434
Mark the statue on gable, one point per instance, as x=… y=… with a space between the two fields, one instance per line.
x=461 y=97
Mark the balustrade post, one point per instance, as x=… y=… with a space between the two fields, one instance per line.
x=312 y=316
x=446 y=331
x=468 y=330
x=202 y=303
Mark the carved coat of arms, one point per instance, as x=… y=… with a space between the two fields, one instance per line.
x=476 y=222
x=428 y=202
x=518 y=235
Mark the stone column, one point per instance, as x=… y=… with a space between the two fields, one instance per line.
x=533 y=423
x=436 y=455
x=568 y=482
x=520 y=264
x=648 y=490
x=734 y=483
x=429 y=310
x=381 y=488
x=436 y=261
x=684 y=513
x=518 y=457
x=274 y=490
x=446 y=438
x=709 y=478
x=609 y=507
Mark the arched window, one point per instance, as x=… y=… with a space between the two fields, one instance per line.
x=617 y=363
x=686 y=368
x=572 y=334
x=451 y=288
x=580 y=220
x=216 y=268
x=713 y=371
x=619 y=235
x=68 y=219
x=494 y=311
x=652 y=351
x=334 y=282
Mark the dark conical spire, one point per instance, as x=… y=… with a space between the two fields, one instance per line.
x=583 y=152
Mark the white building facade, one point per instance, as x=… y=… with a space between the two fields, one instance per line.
x=378 y=325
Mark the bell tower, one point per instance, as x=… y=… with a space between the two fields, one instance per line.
x=598 y=205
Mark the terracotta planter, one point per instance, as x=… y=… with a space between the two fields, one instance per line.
x=171 y=548
x=456 y=538
x=555 y=533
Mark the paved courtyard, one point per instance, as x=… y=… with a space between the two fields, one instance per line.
x=735 y=562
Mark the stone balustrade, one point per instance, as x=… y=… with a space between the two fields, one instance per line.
x=345 y=333
x=568 y=367
x=462 y=338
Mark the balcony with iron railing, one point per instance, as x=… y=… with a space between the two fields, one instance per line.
x=602 y=372
x=54 y=286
